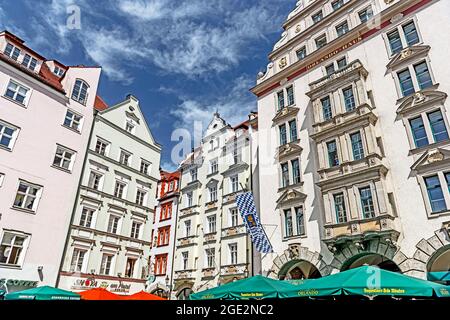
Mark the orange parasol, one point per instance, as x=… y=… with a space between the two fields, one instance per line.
x=142 y=295
x=99 y=294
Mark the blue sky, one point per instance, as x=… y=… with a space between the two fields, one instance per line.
x=183 y=59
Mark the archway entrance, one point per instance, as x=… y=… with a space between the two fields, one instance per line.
x=298 y=270
x=439 y=266
x=371 y=259
x=160 y=293
x=184 y=294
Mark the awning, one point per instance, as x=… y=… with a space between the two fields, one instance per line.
x=439 y=276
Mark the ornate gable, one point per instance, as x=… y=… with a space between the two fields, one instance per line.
x=422 y=99
x=431 y=159
x=284 y=113
x=133 y=116
x=290 y=196
x=216 y=124
x=287 y=150
x=406 y=55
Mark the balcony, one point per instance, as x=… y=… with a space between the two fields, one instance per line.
x=185 y=275
x=234 y=231
x=358 y=231
x=187 y=241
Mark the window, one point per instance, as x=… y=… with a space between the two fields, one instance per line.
x=213 y=166
x=300 y=221
x=283 y=134
x=166 y=211
x=435 y=194
x=337 y=4
x=211 y=223
x=342 y=29
x=284 y=175
x=113 y=224
x=171 y=185
x=365 y=14
x=403 y=36
x=290 y=95
x=321 y=41
x=341 y=63
x=437 y=125
x=234 y=183
x=125 y=158
x=234 y=217
x=357 y=146
x=423 y=75
x=210 y=257
x=339 y=205
x=163 y=236
x=295 y=171
x=411 y=35
x=29 y=62
x=8 y=135
x=232 y=247
x=12 y=51
x=349 y=99
x=106 y=267
x=293 y=130
x=187 y=228
x=16 y=92
x=395 y=42
x=12 y=248
x=129 y=127
x=418 y=132
x=326 y=108
x=329 y=69
x=129 y=268
x=86 y=217
x=280 y=97
x=27 y=196
x=212 y=194
x=161 y=264
x=189 y=199
x=95 y=180
x=58 y=71
x=333 y=159
x=406 y=83
x=193 y=174
x=73 y=120
x=2 y=177
x=63 y=158
x=141 y=196
x=301 y=53
x=145 y=166
x=80 y=91
x=76 y=264
x=317 y=16
x=119 y=189
x=184 y=260
x=368 y=210
x=237 y=154
x=288 y=223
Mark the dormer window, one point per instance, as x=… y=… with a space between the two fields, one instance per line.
x=12 y=52
x=80 y=91
x=58 y=71
x=29 y=62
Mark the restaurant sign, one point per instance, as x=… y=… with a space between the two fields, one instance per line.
x=86 y=284
x=17 y=283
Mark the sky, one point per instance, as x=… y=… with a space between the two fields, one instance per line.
x=183 y=59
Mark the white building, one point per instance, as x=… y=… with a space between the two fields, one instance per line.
x=353 y=124
x=46 y=116
x=110 y=236
x=212 y=246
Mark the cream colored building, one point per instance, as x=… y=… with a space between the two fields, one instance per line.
x=109 y=240
x=353 y=127
x=212 y=246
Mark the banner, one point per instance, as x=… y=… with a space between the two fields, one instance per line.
x=247 y=208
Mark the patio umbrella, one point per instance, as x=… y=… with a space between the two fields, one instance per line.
x=99 y=294
x=257 y=287
x=142 y=295
x=42 y=293
x=370 y=281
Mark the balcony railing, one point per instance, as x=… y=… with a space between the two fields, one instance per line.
x=233 y=231
x=235 y=269
x=184 y=274
x=187 y=241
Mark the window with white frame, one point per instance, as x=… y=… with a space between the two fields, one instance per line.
x=357 y=145
x=193 y=174
x=421 y=80
x=293 y=130
x=316 y=17
x=285 y=97
x=234 y=181
x=283 y=134
x=29 y=62
x=106 y=267
x=333 y=158
x=8 y=135
x=77 y=261
x=130 y=126
x=95 y=180
x=365 y=14
x=113 y=224
x=58 y=71
x=337 y=4
x=12 y=51
x=64 y=158
x=288 y=226
x=136 y=229
x=125 y=158
x=295 y=164
x=145 y=167
x=321 y=41
x=141 y=197
x=212 y=193
x=17 y=92
x=284 y=175
x=342 y=29
x=233 y=250
x=189 y=199
x=13 y=247
x=211 y=223
x=210 y=257
x=213 y=166
x=403 y=36
x=367 y=203
x=234 y=217
x=101 y=146
x=339 y=207
x=299 y=221
x=73 y=120
x=87 y=216
x=2 y=177
x=184 y=260
x=301 y=53
x=27 y=196
x=187 y=228
x=120 y=189
x=428 y=127
x=80 y=91
x=130 y=267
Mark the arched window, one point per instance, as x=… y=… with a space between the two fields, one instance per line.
x=80 y=91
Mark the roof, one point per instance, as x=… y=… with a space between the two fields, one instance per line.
x=100 y=104
x=169 y=175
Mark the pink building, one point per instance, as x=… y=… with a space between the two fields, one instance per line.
x=46 y=114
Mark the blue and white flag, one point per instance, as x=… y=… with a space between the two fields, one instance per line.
x=247 y=208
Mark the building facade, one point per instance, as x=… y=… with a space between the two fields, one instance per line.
x=110 y=234
x=212 y=246
x=353 y=125
x=46 y=117
x=163 y=233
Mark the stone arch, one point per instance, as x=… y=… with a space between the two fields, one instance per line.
x=292 y=256
x=183 y=286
